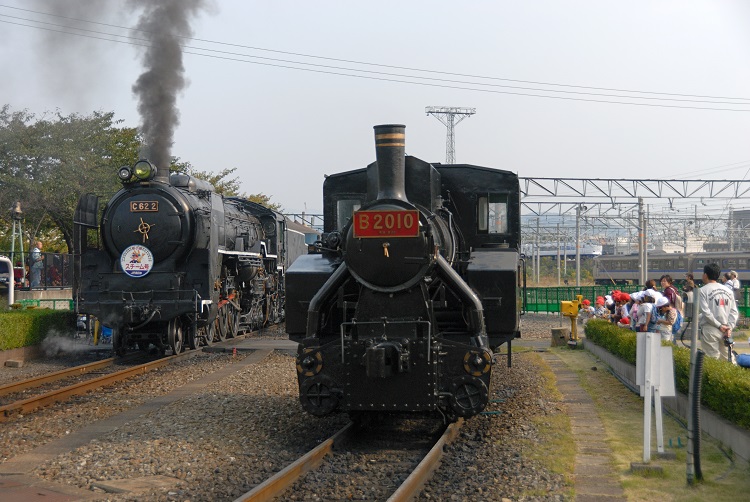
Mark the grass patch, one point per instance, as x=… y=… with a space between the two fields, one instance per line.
x=558 y=453
x=621 y=412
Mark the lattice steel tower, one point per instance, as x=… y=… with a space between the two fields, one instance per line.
x=450 y=117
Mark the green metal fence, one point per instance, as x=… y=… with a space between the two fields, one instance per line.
x=53 y=303
x=548 y=299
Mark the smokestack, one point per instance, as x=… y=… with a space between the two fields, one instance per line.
x=164 y=23
x=390 y=147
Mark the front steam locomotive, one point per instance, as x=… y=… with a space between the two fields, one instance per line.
x=416 y=282
x=179 y=264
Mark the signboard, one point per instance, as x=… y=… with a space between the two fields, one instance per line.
x=137 y=260
x=144 y=206
x=404 y=223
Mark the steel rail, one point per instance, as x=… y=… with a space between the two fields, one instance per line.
x=51 y=397
x=285 y=478
x=412 y=485
x=14 y=387
x=54 y=396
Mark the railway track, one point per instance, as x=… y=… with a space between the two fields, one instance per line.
x=27 y=405
x=30 y=404
x=396 y=456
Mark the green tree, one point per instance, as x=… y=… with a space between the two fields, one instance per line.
x=47 y=163
x=228 y=187
x=264 y=200
x=224 y=185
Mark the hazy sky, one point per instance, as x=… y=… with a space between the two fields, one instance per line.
x=283 y=128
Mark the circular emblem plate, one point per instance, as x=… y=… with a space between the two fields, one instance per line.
x=136 y=260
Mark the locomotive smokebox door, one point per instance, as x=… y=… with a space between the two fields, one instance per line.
x=386 y=248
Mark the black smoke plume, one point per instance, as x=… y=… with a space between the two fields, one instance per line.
x=164 y=23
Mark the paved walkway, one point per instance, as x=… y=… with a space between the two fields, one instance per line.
x=594 y=477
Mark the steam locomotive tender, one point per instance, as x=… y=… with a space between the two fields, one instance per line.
x=178 y=263
x=416 y=282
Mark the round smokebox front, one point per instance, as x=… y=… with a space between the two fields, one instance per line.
x=386 y=248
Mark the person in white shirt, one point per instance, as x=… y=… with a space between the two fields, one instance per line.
x=736 y=286
x=718 y=313
x=728 y=283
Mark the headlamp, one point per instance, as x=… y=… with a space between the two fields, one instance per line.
x=124 y=173
x=144 y=170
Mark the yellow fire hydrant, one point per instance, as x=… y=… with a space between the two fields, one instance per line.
x=570 y=309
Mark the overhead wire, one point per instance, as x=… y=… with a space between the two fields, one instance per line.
x=313 y=56
x=341 y=71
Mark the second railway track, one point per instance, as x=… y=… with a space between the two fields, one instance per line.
x=15 y=398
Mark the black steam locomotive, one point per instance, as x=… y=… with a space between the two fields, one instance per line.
x=417 y=281
x=173 y=263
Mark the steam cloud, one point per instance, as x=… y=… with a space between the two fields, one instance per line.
x=163 y=24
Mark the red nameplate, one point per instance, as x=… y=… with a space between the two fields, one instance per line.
x=386 y=223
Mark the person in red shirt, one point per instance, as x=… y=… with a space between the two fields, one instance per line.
x=668 y=289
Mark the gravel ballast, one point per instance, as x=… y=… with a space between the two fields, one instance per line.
x=233 y=434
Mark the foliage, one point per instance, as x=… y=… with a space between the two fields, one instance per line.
x=228 y=187
x=264 y=200
x=47 y=163
x=725 y=387
x=620 y=342
x=223 y=185
x=21 y=328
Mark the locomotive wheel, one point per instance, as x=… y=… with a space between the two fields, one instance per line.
x=222 y=323
x=233 y=322
x=118 y=344
x=191 y=337
x=208 y=332
x=175 y=335
x=255 y=316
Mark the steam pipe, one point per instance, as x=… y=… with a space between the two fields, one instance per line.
x=476 y=318
x=390 y=148
x=337 y=279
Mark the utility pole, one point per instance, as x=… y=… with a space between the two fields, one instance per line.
x=538 y=261
x=450 y=117
x=642 y=253
x=578 y=245
x=558 y=255
x=17 y=215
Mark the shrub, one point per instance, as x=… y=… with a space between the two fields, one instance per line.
x=725 y=388
x=21 y=328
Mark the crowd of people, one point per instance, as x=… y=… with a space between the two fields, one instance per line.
x=660 y=309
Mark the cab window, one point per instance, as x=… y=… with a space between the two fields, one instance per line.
x=344 y=210
x=492 y=214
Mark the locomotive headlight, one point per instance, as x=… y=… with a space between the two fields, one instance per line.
x=143 y=170
x=124 y=173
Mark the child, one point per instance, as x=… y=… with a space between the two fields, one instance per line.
x=586 y=312
x=601 y=311
x=666 y=315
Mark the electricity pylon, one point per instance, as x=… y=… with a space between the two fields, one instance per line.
x=450 y=117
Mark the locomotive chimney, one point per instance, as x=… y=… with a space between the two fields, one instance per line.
x=390 y=142
x=162 y=174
